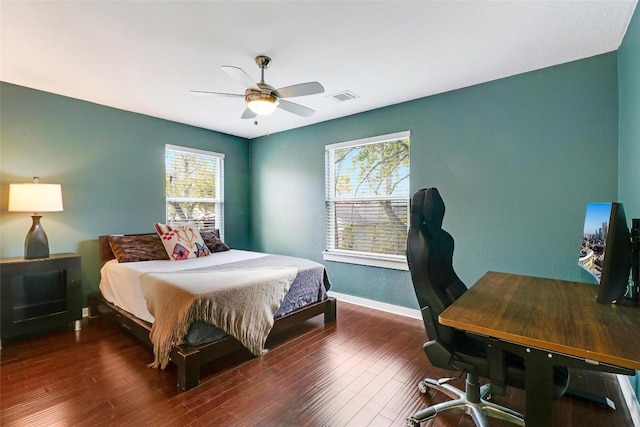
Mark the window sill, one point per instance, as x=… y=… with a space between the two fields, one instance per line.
x=396 y=263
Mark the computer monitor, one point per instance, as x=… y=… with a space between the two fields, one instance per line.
x=606 y=250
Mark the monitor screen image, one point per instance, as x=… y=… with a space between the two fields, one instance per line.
x=594 y=238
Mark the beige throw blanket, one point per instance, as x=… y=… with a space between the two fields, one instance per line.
x=240 y=302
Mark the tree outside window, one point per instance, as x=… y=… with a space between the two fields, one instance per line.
x=194 y=187
x=368 y=196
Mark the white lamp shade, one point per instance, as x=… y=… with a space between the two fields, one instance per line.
x=35 y=197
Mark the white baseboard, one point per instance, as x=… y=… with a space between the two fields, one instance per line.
x=630 y=399
x=377 y=305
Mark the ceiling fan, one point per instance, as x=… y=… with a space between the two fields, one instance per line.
x=261 y=98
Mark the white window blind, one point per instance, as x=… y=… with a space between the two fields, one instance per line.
x=367 y=200
x=195 y=187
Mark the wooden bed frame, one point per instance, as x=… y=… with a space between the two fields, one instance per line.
x=188 y=359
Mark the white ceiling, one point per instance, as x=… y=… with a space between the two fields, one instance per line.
x=145 y=56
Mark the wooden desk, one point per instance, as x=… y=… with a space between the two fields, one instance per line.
x=551 y=322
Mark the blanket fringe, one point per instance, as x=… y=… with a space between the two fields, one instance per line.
x=163 y=351
x=220 y=315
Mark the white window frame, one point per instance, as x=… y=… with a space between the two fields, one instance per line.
x=218 y=198
x=396 y=262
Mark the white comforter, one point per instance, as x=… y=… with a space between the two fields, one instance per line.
x=120 y=283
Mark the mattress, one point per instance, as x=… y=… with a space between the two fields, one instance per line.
x=120 y=282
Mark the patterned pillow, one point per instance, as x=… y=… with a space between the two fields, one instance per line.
x=133 y=248
x=213 y=242
x=182 y=241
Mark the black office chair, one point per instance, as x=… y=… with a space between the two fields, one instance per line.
x=430 y=258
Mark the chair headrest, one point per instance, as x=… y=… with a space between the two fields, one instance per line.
x=427 y=208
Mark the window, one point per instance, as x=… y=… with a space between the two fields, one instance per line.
x=367 y=201
x=194 y=187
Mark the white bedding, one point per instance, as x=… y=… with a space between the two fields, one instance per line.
x=120 y=283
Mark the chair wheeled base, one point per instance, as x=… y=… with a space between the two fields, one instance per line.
x=472 y=401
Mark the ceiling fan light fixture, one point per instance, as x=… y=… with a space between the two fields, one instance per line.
x=262 y=104
x=263 y=99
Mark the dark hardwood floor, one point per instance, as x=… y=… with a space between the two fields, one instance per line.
x=360 y=371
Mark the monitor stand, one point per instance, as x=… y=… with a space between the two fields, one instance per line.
x=633 y=295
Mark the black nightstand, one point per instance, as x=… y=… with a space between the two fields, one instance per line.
x=39 y=295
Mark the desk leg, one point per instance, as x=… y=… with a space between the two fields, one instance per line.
x=538 y=388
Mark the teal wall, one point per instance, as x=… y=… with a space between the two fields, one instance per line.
x=516 y=161
x=111 y=166
x=629 y=122
x=629 y=113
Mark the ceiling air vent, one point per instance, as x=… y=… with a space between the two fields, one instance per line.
x=343 y=96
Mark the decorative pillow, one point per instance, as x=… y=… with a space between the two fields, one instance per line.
x=182 y=241
x=143 y=247
x=213 y=242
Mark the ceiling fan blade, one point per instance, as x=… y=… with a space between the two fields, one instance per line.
x=203 y=92
x=301 y=89
x=248 y=114
x=294 y=108
x=240 y=75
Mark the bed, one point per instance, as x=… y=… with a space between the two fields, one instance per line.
x=120 y=301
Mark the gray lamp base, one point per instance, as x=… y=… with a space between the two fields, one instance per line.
x=36 y=245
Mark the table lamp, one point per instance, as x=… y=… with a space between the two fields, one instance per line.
x=36 y=198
